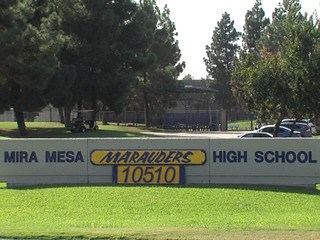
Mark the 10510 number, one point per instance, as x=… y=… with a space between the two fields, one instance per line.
x=148 y=175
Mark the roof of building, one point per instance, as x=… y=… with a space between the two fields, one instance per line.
x=196 y=86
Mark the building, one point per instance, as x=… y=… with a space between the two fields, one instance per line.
x=194 y=108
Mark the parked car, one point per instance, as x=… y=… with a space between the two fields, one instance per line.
x=303 y=128
x=306 y=121
x=255 y=134
x=283 y=131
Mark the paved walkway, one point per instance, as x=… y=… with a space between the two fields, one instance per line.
x=218 y=134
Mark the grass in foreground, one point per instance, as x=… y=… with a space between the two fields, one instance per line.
x=57 y=130
x=159 y=212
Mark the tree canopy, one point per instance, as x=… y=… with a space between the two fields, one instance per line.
x=281 y=80
x=221 y=59
x=27 y=56
x=255 y=24
x=158 y=63
x=117 y=54
x=83 y=53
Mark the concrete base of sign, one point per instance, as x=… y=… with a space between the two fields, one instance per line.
x=23 y=181
x=263 y=181
x=100 y=179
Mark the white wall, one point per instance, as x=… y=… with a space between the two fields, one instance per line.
x=212 y=161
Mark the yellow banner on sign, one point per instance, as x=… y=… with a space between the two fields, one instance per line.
x=152 y=157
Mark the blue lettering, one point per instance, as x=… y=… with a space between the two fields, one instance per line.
x=144 y=157
x=186 y=158
x=51 y=157
x=310 y=158
x=70 y=157
x=9 y=157
x=134 y=157
x=177 y=158
x=284 y=157
x=258 y=156
x=242 y=157
x=218 y=156
x=159 y=158
x=303 y=157
x=280 y=156
x=23 y=157
x=291 y=157
x=79 y=157
x=230 y=156
x=267 y=158
x=124 y=158
x=33 y=157
x=63 y=156
x=110 y=157
x=170 y=157
x=20 y=157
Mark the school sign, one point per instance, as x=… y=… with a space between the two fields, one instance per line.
x=293 y=162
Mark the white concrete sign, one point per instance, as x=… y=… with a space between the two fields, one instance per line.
x=160 y=161
x=43 y=161
x=265 y=161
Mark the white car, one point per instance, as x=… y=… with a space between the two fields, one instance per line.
x=283 y=131
x=255 y=134
x=307 y=121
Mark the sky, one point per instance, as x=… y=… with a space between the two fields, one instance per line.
x=195 y=21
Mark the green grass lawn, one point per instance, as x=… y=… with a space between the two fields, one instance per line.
x=159 y=212
x=57 y=130
x=244 y=125
x=152 y=212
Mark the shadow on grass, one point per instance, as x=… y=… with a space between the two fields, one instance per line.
x=263 y=188
x=269 y=188
x=63 y=133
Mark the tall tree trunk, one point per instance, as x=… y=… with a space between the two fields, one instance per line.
x=79 y=114
x=104 y=118
x=279 y=120
x=20 y=121
x=67 y=117
x=61 y=114
x=146 y=109
x=18 y=113
x=93 y=103
x=146 y=101
x=223 y=120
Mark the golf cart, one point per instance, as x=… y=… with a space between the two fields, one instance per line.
x=83 y=122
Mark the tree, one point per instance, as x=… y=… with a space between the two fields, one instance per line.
x=65 y=88
x=164 y=78
x=255 y=24
x=62 y=91
x=102 y=54
x=6 y=22
x=279 y=83
x=313 y=75
x=158 y=60
x=188 y=77
x=27 y=56
x=221 y=60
